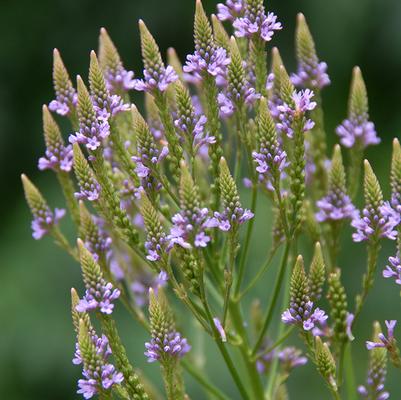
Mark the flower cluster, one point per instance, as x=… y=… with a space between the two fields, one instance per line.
x=230 y=10
x=384 y=341
x=189 y=228
x=306 y=315
x=335 y=206
x=382 y=222
x=173 y=344
x=302 y=104
x=256 y=22
x=393 y=269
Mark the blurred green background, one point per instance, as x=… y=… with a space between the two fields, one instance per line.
x=36 y=339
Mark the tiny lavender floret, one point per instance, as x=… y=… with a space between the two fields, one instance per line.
x=384 y=341
x=393 y=269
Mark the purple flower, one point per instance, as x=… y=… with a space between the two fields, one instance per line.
x=44 y=220
x=172 y=344
x=302 y=104
x=98 y=241
x=140 y=287
x=311 y=73
x=231 y=10
x=92 y=132
x=393 y=270
x=255 y=22
x=66 y=100
x=57 y=157
x=119 y=79
x=348 y=329
x=357 y=131
x=291 y=357
x=193 y=128
x=107 y=106
x=228 y=218
x=189 y=228
x=98 y=296
x=89 y=189
x=228 y=101
x=385 y=342
x=220 y=329
x=157 y=78
x=335 y=206
x=381 y=223
x=303 y=315
x=214 y=62
x=97 y=372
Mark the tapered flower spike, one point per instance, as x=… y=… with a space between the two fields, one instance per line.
x=174 y=61
x=190 y=225
x=301 y=310
x=66 y=96
x=167 y=345
x=376 y=376
x=99 y=294
x=338 y=304
x=99 y=376
x=357 y=131
x=395 y=176
x=58 y=157
x=270 y=158
x=92 y=130
x=89 y=186
x=105 y=104
x=118 y=79
x=325 y=363
x=156 y=76
x=378 y=219
x=336 y=205
x=44 y=220
x=311 y=73
x=155 y=236
x=96 y=240
x=238 y=92
x=317 y=273
x=233 y=214
x=221 y=37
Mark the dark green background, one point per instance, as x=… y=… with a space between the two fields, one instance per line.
x=36 y=339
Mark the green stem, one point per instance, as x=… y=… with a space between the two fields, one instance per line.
x=258 y=275
x=275 y=296
x=248 y=236
x=349 y=373
x=67 y=186
x=204 y=381
x=354 y=171
x=229 y=275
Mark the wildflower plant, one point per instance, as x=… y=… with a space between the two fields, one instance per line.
x=162 y=219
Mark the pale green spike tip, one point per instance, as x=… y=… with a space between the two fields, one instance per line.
x=74 y=298
x=396 y=146
x=299 y=263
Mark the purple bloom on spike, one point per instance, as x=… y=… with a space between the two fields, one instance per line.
x=385 y=342
x=220 y=328
x=57 y=157
x=98 y=373
x=91 y=132
x=306 y=316
x=256 y=22
x=66 y=98
x=335 y=206
x=311 y=74
x=291 y=357
x=98 y=296
x=189 y=228
x=357 y=131
x=140 y=287
x=225 y=220
x=173 y=344
x=393 y=269
x=228 y=101
x=381 y=223
x=214 y=62
x=271 y=162
x=302 y=104
x=158 y=78
x=89 y=190
x=118 y=79
x=44 y=220
x=109 y=107
x=231 y=10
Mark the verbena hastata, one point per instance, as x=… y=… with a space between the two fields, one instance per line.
x=161 y=216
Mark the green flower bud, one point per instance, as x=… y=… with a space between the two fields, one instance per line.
x=316 y=274
x=325 y=363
